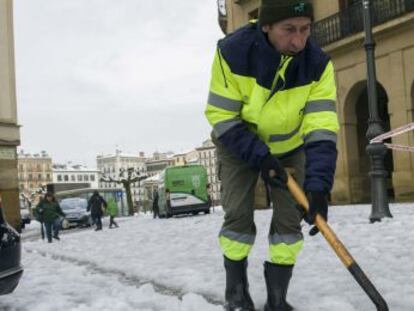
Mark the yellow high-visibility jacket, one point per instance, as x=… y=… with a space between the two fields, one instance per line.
x=261 y=101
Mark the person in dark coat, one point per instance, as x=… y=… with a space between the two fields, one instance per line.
x=168 y=201
x=155 y=208
x=49 y=213
x=96 y=206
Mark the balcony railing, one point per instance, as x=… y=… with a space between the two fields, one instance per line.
x=350 y=21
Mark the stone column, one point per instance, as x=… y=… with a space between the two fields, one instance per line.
x=399 y=107
x=9 y=130
x=341 y=192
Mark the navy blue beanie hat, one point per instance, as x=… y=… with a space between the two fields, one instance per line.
x=273 y=11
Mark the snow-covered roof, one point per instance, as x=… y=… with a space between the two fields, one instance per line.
x=156 y=177
x=72 y=168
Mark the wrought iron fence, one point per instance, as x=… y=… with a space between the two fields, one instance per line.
x=350 y=21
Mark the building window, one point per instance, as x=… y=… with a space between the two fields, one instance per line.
x=48 y=176
x=59 y=177
x=86 y=177
x=66 y=178
x=39 y=176
x=30 y=177
x=92 y=177
x=72 y=177
x=21 y=167
x=79 y=177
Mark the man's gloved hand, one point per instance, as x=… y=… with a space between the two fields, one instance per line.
x=277 y=178
x=318 y=203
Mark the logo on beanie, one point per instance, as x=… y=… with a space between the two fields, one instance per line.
x=299 y=8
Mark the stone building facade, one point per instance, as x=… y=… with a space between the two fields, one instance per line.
x=160 y=160
x=338 y=28
x=75 y=174
x=111 y=166
x=208 y=159
x=9 y=128
x=35 y=172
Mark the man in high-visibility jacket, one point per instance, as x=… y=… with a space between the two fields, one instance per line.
x=272 y=104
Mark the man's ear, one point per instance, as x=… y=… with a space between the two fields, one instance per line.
x=266 y=28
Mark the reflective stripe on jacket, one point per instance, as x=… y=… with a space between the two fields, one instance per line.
x=261 y=100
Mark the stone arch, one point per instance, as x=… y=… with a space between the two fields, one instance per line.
x=356 y=116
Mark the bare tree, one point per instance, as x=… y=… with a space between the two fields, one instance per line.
x=132 y=175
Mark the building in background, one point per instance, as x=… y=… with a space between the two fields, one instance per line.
x=192 y=157
x=338 y=28
x=75 y=174
x=179 y=159
x=159 y=161
x=35 y=172
x=112 y=165
x=208 y=158
x=9 y=128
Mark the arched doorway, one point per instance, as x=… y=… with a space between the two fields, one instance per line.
x=356 y=116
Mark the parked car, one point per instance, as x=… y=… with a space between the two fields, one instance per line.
x=10 y=256
x=75 y=211
x=25 y=214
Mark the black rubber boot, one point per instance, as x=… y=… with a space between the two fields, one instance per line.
x=237 y=287
x=277 y=282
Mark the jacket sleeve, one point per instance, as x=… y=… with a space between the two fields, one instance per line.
x=223 y=113
x=59 y=210
x=37 y=212
x=319 y=129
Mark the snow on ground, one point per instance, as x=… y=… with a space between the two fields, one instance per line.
x=175 y=264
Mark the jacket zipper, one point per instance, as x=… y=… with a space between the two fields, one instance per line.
x=276 y=79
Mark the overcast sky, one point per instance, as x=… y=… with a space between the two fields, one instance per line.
x=94 y=75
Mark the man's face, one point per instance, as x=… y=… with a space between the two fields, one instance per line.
x=290 y=35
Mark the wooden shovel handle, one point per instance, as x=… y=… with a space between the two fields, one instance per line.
x=339 y=248
x=322 y=225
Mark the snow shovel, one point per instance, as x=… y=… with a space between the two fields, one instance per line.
x=339 y=248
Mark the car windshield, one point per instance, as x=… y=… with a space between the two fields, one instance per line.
x=73 y=203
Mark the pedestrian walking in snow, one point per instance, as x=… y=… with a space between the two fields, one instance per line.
x=272 y=104
x=168 y=200
x=209 y=195
x=112 y=211
x=49 y=213
x=155 y=208
x=97 y=205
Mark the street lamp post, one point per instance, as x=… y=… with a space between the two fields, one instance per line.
x=376 y=151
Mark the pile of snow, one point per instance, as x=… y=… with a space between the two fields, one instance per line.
x=176 y=264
